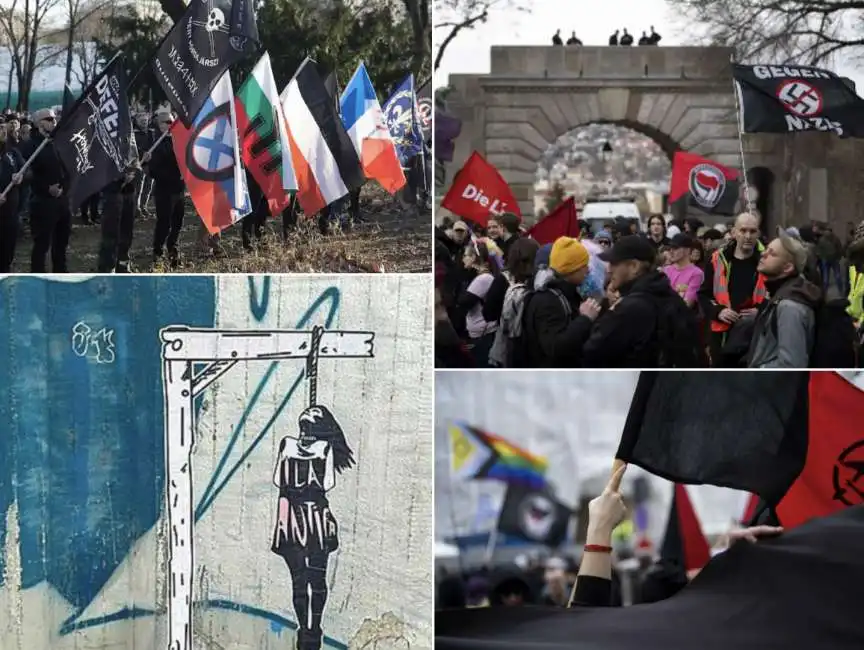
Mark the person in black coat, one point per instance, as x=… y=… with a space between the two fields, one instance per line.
x=50 y=216
x=168 y=188
x=118 y=221
x=626 y=335
x=556 y=323
x=11 y=163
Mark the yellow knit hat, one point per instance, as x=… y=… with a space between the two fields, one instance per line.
x=567 y=256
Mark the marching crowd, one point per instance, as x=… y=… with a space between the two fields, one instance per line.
x=37 y=199
x=677 y=296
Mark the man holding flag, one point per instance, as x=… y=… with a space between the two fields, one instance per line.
x=402 y=120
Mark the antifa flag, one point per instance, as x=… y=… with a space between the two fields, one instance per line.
x=703 y=184
x=798 y=591
x=561 y=222
x=833 y=475
x=200 y=48
x=790 y=99
x=479 y=192
x=534 y=515
x=94 y=136
x=425 y=108
x=684 y=543
x=745 y=431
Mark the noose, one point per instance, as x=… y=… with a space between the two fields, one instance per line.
x=312 y=364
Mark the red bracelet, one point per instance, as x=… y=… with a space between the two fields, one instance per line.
x=597 y=548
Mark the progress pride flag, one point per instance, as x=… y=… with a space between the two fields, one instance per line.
x=479 y=192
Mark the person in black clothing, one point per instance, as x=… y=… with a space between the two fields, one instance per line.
x=613 y=40
x=626 y=39
x=657 y=231
x=143 y=140
x=556 y=39
x=504 y=231
x=11 y=163
x=573 y=40
x=641 y=328
x=253 y=222
x=654 y=38
x=644 y=40
x=90 y=210
x=168 y=188
x=556 y=322
x=118 y=222
x=50 y=217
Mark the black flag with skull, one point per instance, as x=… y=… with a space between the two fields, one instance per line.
x=211 y=37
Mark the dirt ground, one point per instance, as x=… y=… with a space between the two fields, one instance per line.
x=394 y=238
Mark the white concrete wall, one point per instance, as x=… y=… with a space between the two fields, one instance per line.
x=380 y=578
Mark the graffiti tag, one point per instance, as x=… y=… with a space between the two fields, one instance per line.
x=97 y=345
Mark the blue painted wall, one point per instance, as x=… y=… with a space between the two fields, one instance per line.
x=81 y=446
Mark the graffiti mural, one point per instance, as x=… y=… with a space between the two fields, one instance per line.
x=184 y=471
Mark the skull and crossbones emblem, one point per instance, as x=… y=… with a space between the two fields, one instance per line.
x=213 y=23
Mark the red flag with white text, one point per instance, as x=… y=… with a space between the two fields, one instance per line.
x=479 y=192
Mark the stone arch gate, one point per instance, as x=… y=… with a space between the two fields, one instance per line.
x=682 y=97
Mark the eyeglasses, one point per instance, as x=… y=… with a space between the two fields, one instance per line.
x=460 y=230
x=169 y=122
x=604 y=242
x=49 y=119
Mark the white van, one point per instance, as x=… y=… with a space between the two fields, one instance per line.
x=599 y=212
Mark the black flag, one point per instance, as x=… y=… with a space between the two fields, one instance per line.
x=798 y=591
x=93 y=138
x=534 y=515
x=746 y=431
x=789 y=99
x=200 y=48
x=331 y=83
x=425 y=109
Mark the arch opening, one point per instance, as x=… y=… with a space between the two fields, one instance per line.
x=602 y=159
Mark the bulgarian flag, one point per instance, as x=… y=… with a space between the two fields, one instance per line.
x=263 y=136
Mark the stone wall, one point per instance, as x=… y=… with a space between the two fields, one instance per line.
x=682 y=97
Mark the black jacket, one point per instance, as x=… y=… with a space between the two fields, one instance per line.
x=46 y=168
x=11 y=162
x=164 y=170
x=625 y=337
x=552 y=337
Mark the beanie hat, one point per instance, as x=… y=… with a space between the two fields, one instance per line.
x=568 y=256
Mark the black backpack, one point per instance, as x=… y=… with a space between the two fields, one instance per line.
x=677 y=332
x=835 y=340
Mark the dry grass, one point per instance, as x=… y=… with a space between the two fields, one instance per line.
x=395 y=238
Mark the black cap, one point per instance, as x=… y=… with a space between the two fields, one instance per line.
x=681 y=240
x=631 y=247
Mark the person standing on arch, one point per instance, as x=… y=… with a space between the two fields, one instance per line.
x=556 y=39
x=613 y=40
x=573 y=40
x=626 y=39
x=654 y=38
x=732 y=292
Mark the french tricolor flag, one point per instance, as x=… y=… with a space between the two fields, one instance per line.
x=367 y=128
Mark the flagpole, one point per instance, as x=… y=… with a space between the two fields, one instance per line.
x=739 y=114
x=491 y=544
x=26 y=165
x=156 y=144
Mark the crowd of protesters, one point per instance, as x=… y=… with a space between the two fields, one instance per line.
x=38 y=199
x=607 y=574
x=678 y=295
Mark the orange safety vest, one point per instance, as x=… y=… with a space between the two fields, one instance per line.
x=721 y=289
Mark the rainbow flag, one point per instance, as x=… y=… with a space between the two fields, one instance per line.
x=477 y=454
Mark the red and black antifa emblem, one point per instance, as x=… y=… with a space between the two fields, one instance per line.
x=849 y=475
x=210 y=154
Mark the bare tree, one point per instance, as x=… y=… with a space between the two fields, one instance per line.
x=79 y=29
x=24 y=24
x=420 y=14
x=779 y=31
x=458 y=15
